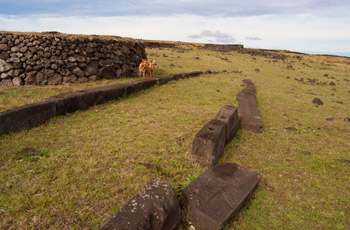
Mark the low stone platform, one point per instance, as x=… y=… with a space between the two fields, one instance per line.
x=248 y=108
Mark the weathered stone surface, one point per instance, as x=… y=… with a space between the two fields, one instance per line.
x=56 y=79
x=217 y=195
x=108 y=72
x=17 y=81
x=78 y=72
x=30 y=77
x=91 y=69
x=209 y=142
x=192 y=74
x=26 y=117
x=165 y=80
x=155 y=207
x=248 y=108
x=140 y=85
x=68 y=102
x=4 y=66
x=4 y=47
x=6 y=82
x=229 y=115
x=317 y=101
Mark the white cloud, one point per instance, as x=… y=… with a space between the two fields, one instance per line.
x=303 y=32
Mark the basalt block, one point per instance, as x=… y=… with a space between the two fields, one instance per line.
x=192 y=74
x=155 y=207
x=104 y=94
x=209 y=143
x=229 y=115
x=83 y=99
x=248 y=108
x=165 y=80
x=26 y=117
x=139 y=85
x=216 y=196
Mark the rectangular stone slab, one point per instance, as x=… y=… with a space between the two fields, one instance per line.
x=26 y=117
x=156 y=206
x=248 y=108
x=209 y=143
x=216 y=196
x=229 y=114
x=139 y=85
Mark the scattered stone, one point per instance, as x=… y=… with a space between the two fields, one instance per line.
x=257 y=70
x=28 y=152
x=209 y=142
x=237 y=71
x=290 y=129
x=155 y=207
x=317 y=101
x=330 y=119
x=347 y=162
x=216 y=196
x=290 y=67
x=332 y=83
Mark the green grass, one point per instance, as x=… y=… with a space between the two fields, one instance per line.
x=90 y=163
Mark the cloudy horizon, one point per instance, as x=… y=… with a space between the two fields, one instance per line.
x=310 y=26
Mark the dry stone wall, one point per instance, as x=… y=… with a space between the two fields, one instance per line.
x=55 y=58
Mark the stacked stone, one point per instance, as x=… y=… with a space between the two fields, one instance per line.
x=54 y=58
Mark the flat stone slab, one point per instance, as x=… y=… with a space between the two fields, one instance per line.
x=229 y=115
x=248 y=108
x=209 y=143
x=216 y=196
x=26 y=117
x=155 y=207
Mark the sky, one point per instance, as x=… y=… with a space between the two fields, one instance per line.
x=310 y=26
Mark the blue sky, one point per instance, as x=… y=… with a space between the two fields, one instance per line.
x=312 y=26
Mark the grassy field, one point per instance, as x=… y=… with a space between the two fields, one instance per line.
x=86 y=165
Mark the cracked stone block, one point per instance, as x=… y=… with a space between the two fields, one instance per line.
x=209 y=143
x=216 y=196
x=155 y=207
x=229 y=115
x=26 y=117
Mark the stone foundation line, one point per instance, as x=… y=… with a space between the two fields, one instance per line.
x=32 y=115
x=209 y=202
x=248 y=108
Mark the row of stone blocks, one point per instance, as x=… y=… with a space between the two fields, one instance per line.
x=32 y=115
x=209 y=202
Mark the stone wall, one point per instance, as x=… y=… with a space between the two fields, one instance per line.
x=223 y=47
x=55 y=58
